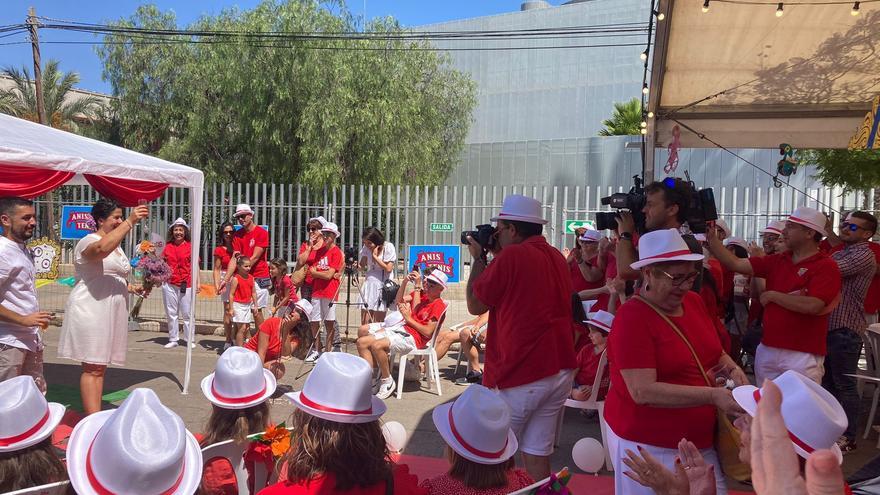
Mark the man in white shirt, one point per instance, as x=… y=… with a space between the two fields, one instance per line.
x=21 y=347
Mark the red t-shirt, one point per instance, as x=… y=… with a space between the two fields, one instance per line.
x=244 y=242
x=285 y=285
x=816 y=276
x=425 y=312
x=527 y=288
x=223 y=256
x=718 y=307
x=244 y=291
x=272 y=328
x=588 y=366
x=641 y=339
x=404 y=484
x=323 y=260
x=179 y=259
x=872 y=297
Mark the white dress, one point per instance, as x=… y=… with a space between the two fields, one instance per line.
x=376 y=276
x=95 y=328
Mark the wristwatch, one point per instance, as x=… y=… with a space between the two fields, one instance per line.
x=626 y=236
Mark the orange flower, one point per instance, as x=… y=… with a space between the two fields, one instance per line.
x=145 y=246
x=279 y=438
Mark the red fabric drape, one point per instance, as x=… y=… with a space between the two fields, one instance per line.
x=127 y=192
x=29 y=182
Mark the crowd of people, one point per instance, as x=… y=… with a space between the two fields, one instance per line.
x=662 y=324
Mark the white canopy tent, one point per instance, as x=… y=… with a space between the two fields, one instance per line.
x=745 y=77
x=26 y=144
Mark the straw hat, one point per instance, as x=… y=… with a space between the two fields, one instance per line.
x=142 y=447
x=239 y=380
x=477 y=426
x=601 y=320
x=810 y=218
x=26 y=418
x=339 y=389
x=243 y=209
x=663 y=245
x=517 y=208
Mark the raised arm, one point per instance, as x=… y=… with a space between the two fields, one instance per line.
x=728 y=259
x=102 y=248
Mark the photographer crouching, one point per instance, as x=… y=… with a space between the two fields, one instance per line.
x=529 y=346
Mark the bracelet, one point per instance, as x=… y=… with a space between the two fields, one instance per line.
x=129 y=223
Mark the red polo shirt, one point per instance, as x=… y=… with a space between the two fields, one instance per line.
x=816 y=276
x=641 y=339
x=527 y=288
x=179 y=258
x=244 y=242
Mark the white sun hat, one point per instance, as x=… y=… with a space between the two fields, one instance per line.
x=721 y=224
x=180 y=221
x=477 y=426
x=601 y=320
x=518 y=208
x=26 y=418
x=814 y=418
x=243 y=209
x=239 y=380
x=809 y=217
x=588 y=305
x=142 y=447
x=438 y=277
x=330 y=227
x=320 y=219
x=304 y=305
x=663 y=245
x=774 y=227
x=736 y=241
x=339 y=389
x=591 y=236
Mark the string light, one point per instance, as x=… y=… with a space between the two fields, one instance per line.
x=855 y=9
x=779 y=10
x=706 y=6
x=644 y=131
x=644 y=55
x=650 y=115
x=645 y=88
x=644 y=124
x=659 y=15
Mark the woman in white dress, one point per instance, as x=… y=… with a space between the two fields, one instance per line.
x=378 y=258
x=95 y=328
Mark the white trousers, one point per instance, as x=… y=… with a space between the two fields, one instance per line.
x=770 y=362
x=624 y=485
x=177 y=305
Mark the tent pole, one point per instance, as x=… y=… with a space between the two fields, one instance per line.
x=195 y=200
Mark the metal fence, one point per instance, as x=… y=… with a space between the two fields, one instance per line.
x=405 y=214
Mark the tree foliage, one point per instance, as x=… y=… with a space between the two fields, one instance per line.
x=250 y=110
x=625 y=121
x=850 y=169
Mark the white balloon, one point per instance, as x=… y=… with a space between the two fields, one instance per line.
x=588 y=454
x=395 y=436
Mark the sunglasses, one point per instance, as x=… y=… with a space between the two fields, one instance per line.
x=851 y=226
x=679 y=280
x=228 y=232
x=313 y=230
x=428 y=281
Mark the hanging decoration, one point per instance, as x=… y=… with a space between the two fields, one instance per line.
x=674 y=146
x=46 y=254
x=787 y=166
x=865 y=137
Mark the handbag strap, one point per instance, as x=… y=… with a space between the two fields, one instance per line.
x=680 y=334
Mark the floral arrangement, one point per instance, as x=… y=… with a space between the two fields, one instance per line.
x=149 y=271
x=269 y=446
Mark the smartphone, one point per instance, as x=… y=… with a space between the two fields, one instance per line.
x=415 y=268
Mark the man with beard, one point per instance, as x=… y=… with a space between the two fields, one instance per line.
x=21 y=346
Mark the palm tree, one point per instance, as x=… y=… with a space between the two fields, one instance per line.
x=62 y=109
x=625 y=121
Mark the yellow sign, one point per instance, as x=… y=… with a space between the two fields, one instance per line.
x=46 y=254
x=866 y=137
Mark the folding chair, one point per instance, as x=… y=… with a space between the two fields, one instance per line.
x=433 y=367
x=234 y=453
x=59 y=488
x=872 y=336
x=457 y=328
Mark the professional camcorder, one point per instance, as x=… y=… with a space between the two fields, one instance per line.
x=634 y=201
x=484 y=235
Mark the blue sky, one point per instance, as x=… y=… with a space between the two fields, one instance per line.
x=82 y=58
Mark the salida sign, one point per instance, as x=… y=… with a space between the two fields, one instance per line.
x=76 y=221
x=444 y=258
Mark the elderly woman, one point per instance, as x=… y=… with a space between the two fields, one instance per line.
x=177 y=292
x=659 y=393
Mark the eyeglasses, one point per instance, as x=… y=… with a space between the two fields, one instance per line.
x=679 y=280
x=851 y=226
x=228 y=232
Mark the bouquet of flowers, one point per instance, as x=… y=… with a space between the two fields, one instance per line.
x=149 y=270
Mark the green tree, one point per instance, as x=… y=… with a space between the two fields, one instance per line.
x=625 y=121
x=318 y=112
x=63 y=109
x=851 y=169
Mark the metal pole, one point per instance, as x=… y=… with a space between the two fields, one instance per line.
x=41 y=106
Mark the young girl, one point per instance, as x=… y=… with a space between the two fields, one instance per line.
x=234 y=418
x=282 y=288
x=222 y=256
x=479 y=446
x=589 y=356
x=244 y=299
x=275 y=337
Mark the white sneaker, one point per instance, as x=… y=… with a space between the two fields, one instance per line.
x=171 y=344
x=226 y=346
x=192 y=345
x=386 y=389
x=312 y=357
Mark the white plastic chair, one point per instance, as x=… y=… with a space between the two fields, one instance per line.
x=433 y=367
x=458 y=327
x=872 y=335
x=592 y=403
x=234 y=453
x=59 y=488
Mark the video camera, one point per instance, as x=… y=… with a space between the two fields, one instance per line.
x=351 y=255
x=700 y=209
x=484 y=235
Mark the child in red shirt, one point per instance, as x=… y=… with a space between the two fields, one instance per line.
x=283 y=288
x=244 y=299
x=589 y=357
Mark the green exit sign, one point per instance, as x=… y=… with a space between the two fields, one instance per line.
x=572 y=225
x=441 y=227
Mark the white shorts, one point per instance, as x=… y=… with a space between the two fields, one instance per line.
x=770 y=362
x=322 y=310
x=242 y=312
x=534 y=411
x=399 y=343
x=224 y=294
x=262 y=296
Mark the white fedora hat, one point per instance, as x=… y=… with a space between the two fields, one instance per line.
x=305 y=305
x=239 y=381
x=438 y=277
x=814 y=418
x=243 y=209
x=330 y=227
x=141 y=448
x=393 y=320
x=809 y=217
x=601 y=320
x=477 y=426
x=591 y=236
x=736 y=241
x=26 y=418
x=700 y=237
x=179 y=221
x=588 y=305
x=774 y=227
x=319 y=219
x=517 y=208
x=339 y=389
x=663 y=245
x=721 y=224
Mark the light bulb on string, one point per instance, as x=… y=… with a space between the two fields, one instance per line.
x=644 y=124
x=644 y=55
x=644 y=131
x=660 y=15
x=855 y=9
x=779 y=11
x=645 y=89
x=650 y=115
x=706 y=6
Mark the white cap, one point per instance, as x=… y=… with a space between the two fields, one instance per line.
x=477 y=426
x=810 y=218
x=659 y=246
x=518 y=208
x=331 y=228
x=339 y=389
x=243 y=209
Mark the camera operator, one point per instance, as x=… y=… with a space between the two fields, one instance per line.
x=665 y=208
x=324 y=264
x=529 y=347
